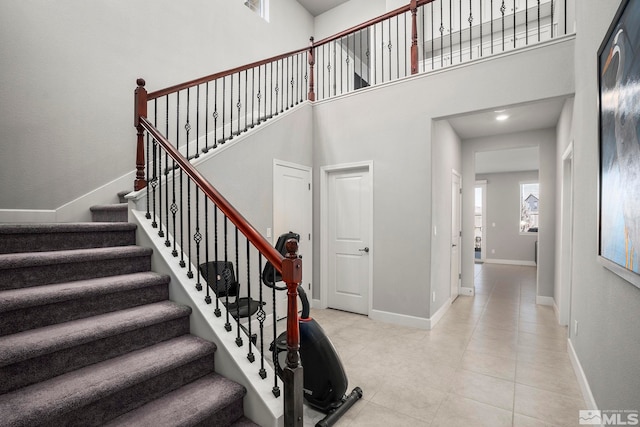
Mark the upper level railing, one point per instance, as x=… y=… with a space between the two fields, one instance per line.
x=179 y=123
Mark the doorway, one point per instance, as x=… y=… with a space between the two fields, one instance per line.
x=456 y=233
x=480 y=221
x=293 y=211
x=346 y=241
x=566 y=238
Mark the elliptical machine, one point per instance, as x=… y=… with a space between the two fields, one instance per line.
x=324 y=379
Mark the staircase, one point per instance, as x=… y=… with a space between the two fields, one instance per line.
x=89 y=337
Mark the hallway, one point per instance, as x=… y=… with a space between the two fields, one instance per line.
x=496 y=359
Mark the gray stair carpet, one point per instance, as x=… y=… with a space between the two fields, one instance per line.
x=88 y=336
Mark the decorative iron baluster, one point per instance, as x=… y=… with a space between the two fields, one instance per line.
x=271 y=100
x=253 y=99
x=224 y=108
x=390 y=47
x=261 y=316
x=181 y=204
x=259 y=94
x=154 y=182
x=237 y=316
x=450 y=32
x=217 y=311
x=227 y=325
x=459 y=30
x=275 y=390
x=441 y=35
x=206 y=121
x=538 y=20
x=197 y=238
x=502 y=9
x=197 y=123
x=398 y=46
x=250 y=356
x=148 y=214
x=246 y=99
x=480 y=53
x=231 y=107
x=552 y=18
x=174 y=208
x=471 y=30
x=341 y=64
x=155 y=123
x=526 y=22
x=283 y=85
x=287 y=91
x=188 y=129
x=492 y=27
x=335 y=70
x=239 y=103
x=514 y=23
x=207 y=298
x=215 y=114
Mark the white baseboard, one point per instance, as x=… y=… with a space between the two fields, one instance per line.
x=411 y=321
x=545 y=301
x=582 y=378
x=510 y=262
x=468 y=292
x=27 y=215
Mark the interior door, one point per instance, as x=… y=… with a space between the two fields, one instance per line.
x=292 y=211
x=456 y=197
x=349 y=242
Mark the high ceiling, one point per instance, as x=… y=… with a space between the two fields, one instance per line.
x=317 y=7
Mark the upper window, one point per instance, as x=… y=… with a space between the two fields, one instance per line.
x=261 y=7
x=529 y=200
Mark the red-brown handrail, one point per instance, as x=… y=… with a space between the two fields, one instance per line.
x=253 y=235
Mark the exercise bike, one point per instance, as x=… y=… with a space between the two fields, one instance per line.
x=324 y=379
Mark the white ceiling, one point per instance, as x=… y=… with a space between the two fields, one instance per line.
x=536 y=115
x=317 y=7
x=511 y=160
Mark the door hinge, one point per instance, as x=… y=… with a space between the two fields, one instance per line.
x=309 y=186
x=460 y=276
x=309 y=236
x=460 y=190
x=460 y=233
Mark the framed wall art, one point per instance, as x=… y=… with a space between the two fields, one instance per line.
x=619 y=140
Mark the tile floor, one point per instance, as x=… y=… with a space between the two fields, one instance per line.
x=496 y=359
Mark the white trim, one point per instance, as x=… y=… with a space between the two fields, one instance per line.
x=510 y=262
x=582 y=378
x=464 y=290
x=482 y=183
x=456 y=174
x=542 y=300
x=400 y=319
x=324 y=220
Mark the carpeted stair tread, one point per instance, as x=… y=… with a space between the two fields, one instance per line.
x=71 y=392
x=49 y=339
x=41 y=268
x=20 y=238
x=190 y=405
x=13 y=299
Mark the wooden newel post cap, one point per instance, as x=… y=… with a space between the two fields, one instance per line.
x=141 y=82
x=292 y=265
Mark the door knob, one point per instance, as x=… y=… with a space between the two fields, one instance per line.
x=453 y=245
x=366 y=249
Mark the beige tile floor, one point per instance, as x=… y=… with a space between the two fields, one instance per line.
x=495 y=359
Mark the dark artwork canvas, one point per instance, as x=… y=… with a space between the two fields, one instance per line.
x=619 y=75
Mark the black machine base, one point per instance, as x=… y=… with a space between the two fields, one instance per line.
x=334 y=415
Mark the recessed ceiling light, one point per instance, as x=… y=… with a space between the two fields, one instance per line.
x=502 y=117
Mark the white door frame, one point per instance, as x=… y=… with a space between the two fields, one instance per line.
x=325 y=171
x=458 y=243
x=566 y=237
x=483 y=243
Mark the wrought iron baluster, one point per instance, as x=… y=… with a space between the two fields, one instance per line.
x=390 y=47
x=237 y=316
x=246 y=99
x=187 y=128
x=197 y=153
x=526 y=22
x=470 y=30
x=224 y=107
x=283 y=85
x=217 y=311
x=441 y=35
x=538 y=20
x=492 y=27
x=276 y=389
x=159 y=176
x=253 y=94
x=271 y=100
x=398 y=47
x=514 y=23
x=287 y=88
x=405 y=46
x=261 y=316
x=259 y=94
x=450 y=32
x=552 y=18
x=207 y=298
x=181 y=204
x=335 y=70
x=227 y=325
x=341 y=64
x=231 y=107
x=154 y=182
x=239 y=103
x=502 y=10
x=206 y=121
x=480 y=52
x=215 y=114
x=250 y=356
x=174 y=208
x=459 y=30
x=197 y=238
x=148 y=213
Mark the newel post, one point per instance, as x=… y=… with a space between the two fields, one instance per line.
x=292 y=373
x=140 y=110
x=414 y=37
x=312 y=62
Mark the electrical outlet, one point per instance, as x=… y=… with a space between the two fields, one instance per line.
x=268 y=232
x=575 y=328
x=433 y=297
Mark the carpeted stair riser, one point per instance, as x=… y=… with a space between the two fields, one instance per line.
x=209 y=401
x=41 y=268
x=19 y=238
x=118 y=212
x=22 y=358
x=100 y=392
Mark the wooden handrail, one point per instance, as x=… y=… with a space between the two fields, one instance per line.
x=211 y=77
x=262 y=244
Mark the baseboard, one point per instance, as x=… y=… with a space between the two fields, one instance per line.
x=27 y=215
x=582 y=378
x=433 y=320
x=545 y=301
x=400 y=319
x=510 y=262
x=466 y=291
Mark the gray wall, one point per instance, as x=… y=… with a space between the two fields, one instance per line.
x=606 y=306
x=396 y=133
x=504 y=240
x=68 y=71
x=545 y=139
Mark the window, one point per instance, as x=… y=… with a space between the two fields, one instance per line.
x=529 y=200
x=261 y=7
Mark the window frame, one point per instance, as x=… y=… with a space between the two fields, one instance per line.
x=521 y=200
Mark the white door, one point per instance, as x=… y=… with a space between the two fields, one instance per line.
x=349 y=210
x=292 y=211
x=456 y=197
